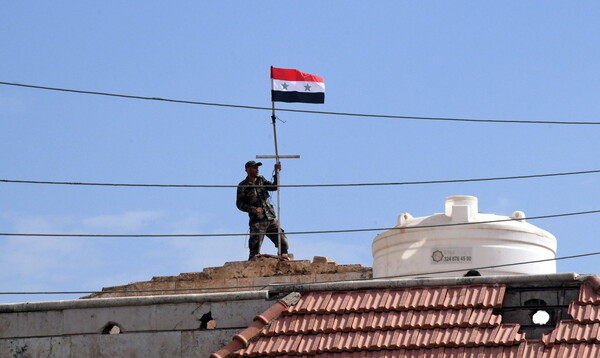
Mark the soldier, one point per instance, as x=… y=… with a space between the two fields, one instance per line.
x=253 y=198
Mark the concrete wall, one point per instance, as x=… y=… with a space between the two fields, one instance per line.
x=151 y=326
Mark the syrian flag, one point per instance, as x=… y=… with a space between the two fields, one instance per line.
x=296 y=86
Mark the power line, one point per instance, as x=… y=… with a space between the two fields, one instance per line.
x=297 y=110
x=302 y=185
x=298 y=232
x=299 y=283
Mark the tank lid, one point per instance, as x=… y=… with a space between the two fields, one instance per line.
x=461 y=207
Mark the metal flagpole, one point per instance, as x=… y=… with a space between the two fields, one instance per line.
x=277 y=163
x=277 y=166
x=274 y=120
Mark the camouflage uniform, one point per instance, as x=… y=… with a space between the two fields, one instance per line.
x=248 y=199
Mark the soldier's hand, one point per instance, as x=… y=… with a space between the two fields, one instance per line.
x=278 y=166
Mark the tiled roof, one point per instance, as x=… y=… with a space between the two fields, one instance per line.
x=444 y=321
x=416 y=298
x=584 y=313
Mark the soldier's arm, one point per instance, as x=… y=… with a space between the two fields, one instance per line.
x=270 y=186
x=241 y=202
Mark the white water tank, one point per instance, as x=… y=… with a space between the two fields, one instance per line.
x=461 y=239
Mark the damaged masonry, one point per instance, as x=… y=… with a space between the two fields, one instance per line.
x=276 y=307
x=360 y=317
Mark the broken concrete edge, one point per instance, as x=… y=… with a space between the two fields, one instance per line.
x=237 y=270
x=323 y=260
x=291 y=299
x=133 y=301
x=261 y=323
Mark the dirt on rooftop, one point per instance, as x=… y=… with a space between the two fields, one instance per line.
x=241 y=276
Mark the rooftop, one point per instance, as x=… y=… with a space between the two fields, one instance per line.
x=241 y=276
x=459 y=317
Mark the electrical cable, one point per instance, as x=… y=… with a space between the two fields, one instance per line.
x=300 y=283
x=297 y=232
x=303 y=185
x=298 y=110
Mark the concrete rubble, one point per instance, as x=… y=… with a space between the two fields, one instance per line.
x=242 y=276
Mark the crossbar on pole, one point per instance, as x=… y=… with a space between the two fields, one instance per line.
x=282 y=156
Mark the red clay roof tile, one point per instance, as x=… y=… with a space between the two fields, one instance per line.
x=320 y=325
x=396 y=299
x=314 y=323
x=572 y=332
x=524 y=350
x=498 y=335
x=494 y=296
x=418 y=322
x=302 y=326
x=302 y=348
x=290 y=345
x=584 y=313
x=471 y=295
x=383 y=299
x=416 y=298
x=375 y=340
x=368 y=300
x=452 y=297
x=347 y=322
x=352 y=301
x=305 y=304
x=400 y=299
x=340 y=341
x=386 y=299
x=385 y=340
x=336 y=343
x=322 y=301
x=438 y=297
x=405 y=339
x=443 y=338
x=331 y=320
x=335 y=302
x=429 y=298
x=274 y=345
x=360 y=321
x=379 y=319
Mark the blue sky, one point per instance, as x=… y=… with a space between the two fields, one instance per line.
x=535 y=60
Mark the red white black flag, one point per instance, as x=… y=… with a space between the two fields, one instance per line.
x=296 y=86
